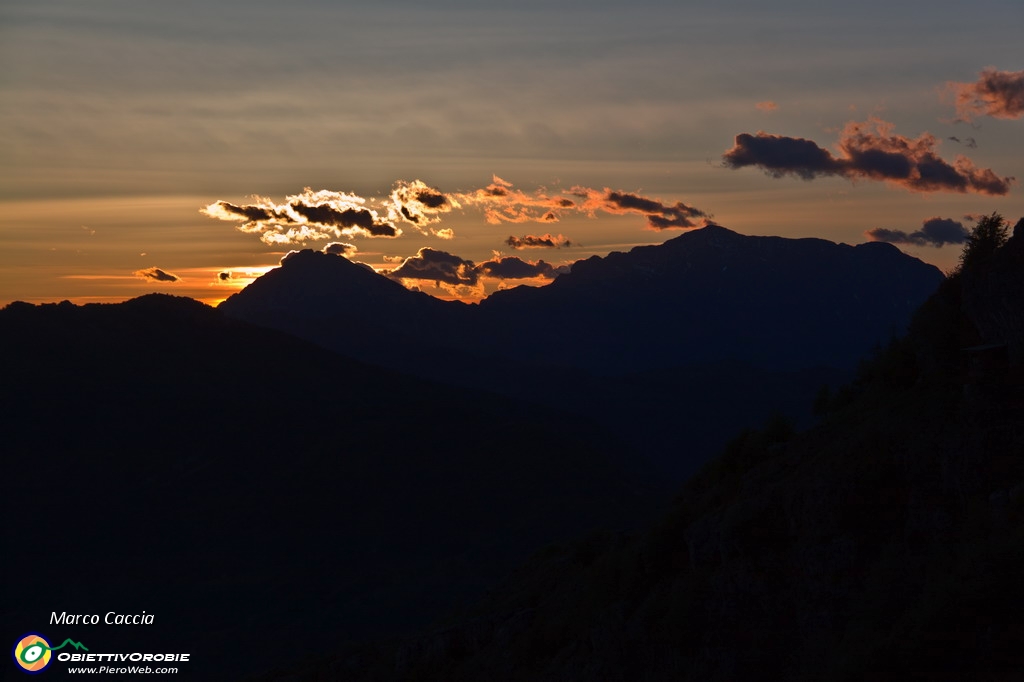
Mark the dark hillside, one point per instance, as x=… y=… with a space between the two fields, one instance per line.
x=672 y=346
x=249 y=488
x=886 y=543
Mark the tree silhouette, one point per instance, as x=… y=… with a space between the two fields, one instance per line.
x=988 y=235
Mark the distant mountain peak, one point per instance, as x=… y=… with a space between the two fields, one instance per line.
x=708 y=295
x=312 y=258
x=317 y=283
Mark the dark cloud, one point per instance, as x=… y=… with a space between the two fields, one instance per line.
x=968 y=141
x=157 y=275
x=633 y=202
x=515 y=268
x=442 y=267
x=328 y=215
x=431 y=198
x=659 y=216
x=224 y=276
x=999 y=94
x=310 y=216
x=934 y=232
x=252 y=213
x=778 y=155
x=340 y=249
x=437 y=266
x=502 y=203
x=533 y=241
x=418 y=203
x=867 y=150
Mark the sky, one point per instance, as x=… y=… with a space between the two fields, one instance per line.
x=462 y=147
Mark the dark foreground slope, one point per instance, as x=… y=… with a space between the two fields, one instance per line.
x=672 y=346
x=261 y=497
x=886 y=543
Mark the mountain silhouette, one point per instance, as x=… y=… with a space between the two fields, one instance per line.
x=251 y=489
x=713 y=295
x=672 y=346
x=884 y=543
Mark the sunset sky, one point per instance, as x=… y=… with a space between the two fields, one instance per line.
x=157 y=146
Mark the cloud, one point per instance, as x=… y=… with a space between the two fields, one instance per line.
x=419 y=204
x=442 y=267
x=330 y=215
x=867 y=150
x=436 y=266
x=512 y=267
x=767 y=106
x=340 y=249
x=309 y=216
x=533 y=241
x=501 y=203
x=968 y=141
x=225 y=276
x=157 y=275
x=934 y=232
x=999 y=94
x=659 y=216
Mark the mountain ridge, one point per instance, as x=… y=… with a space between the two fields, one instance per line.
x=711 y=278
x=775 y=315
x=191 y=446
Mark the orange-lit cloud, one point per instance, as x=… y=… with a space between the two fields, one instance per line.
x=767 y=106
x=502 y=203
x=340 y=249
x=868 y=150
x=328 y=215
x=157 y=275
x=934 y=232
x=309 y=216
x=999 y=94
x=533 y=241
x=419 y=204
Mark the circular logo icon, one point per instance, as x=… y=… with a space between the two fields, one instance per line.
x=32 y=653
